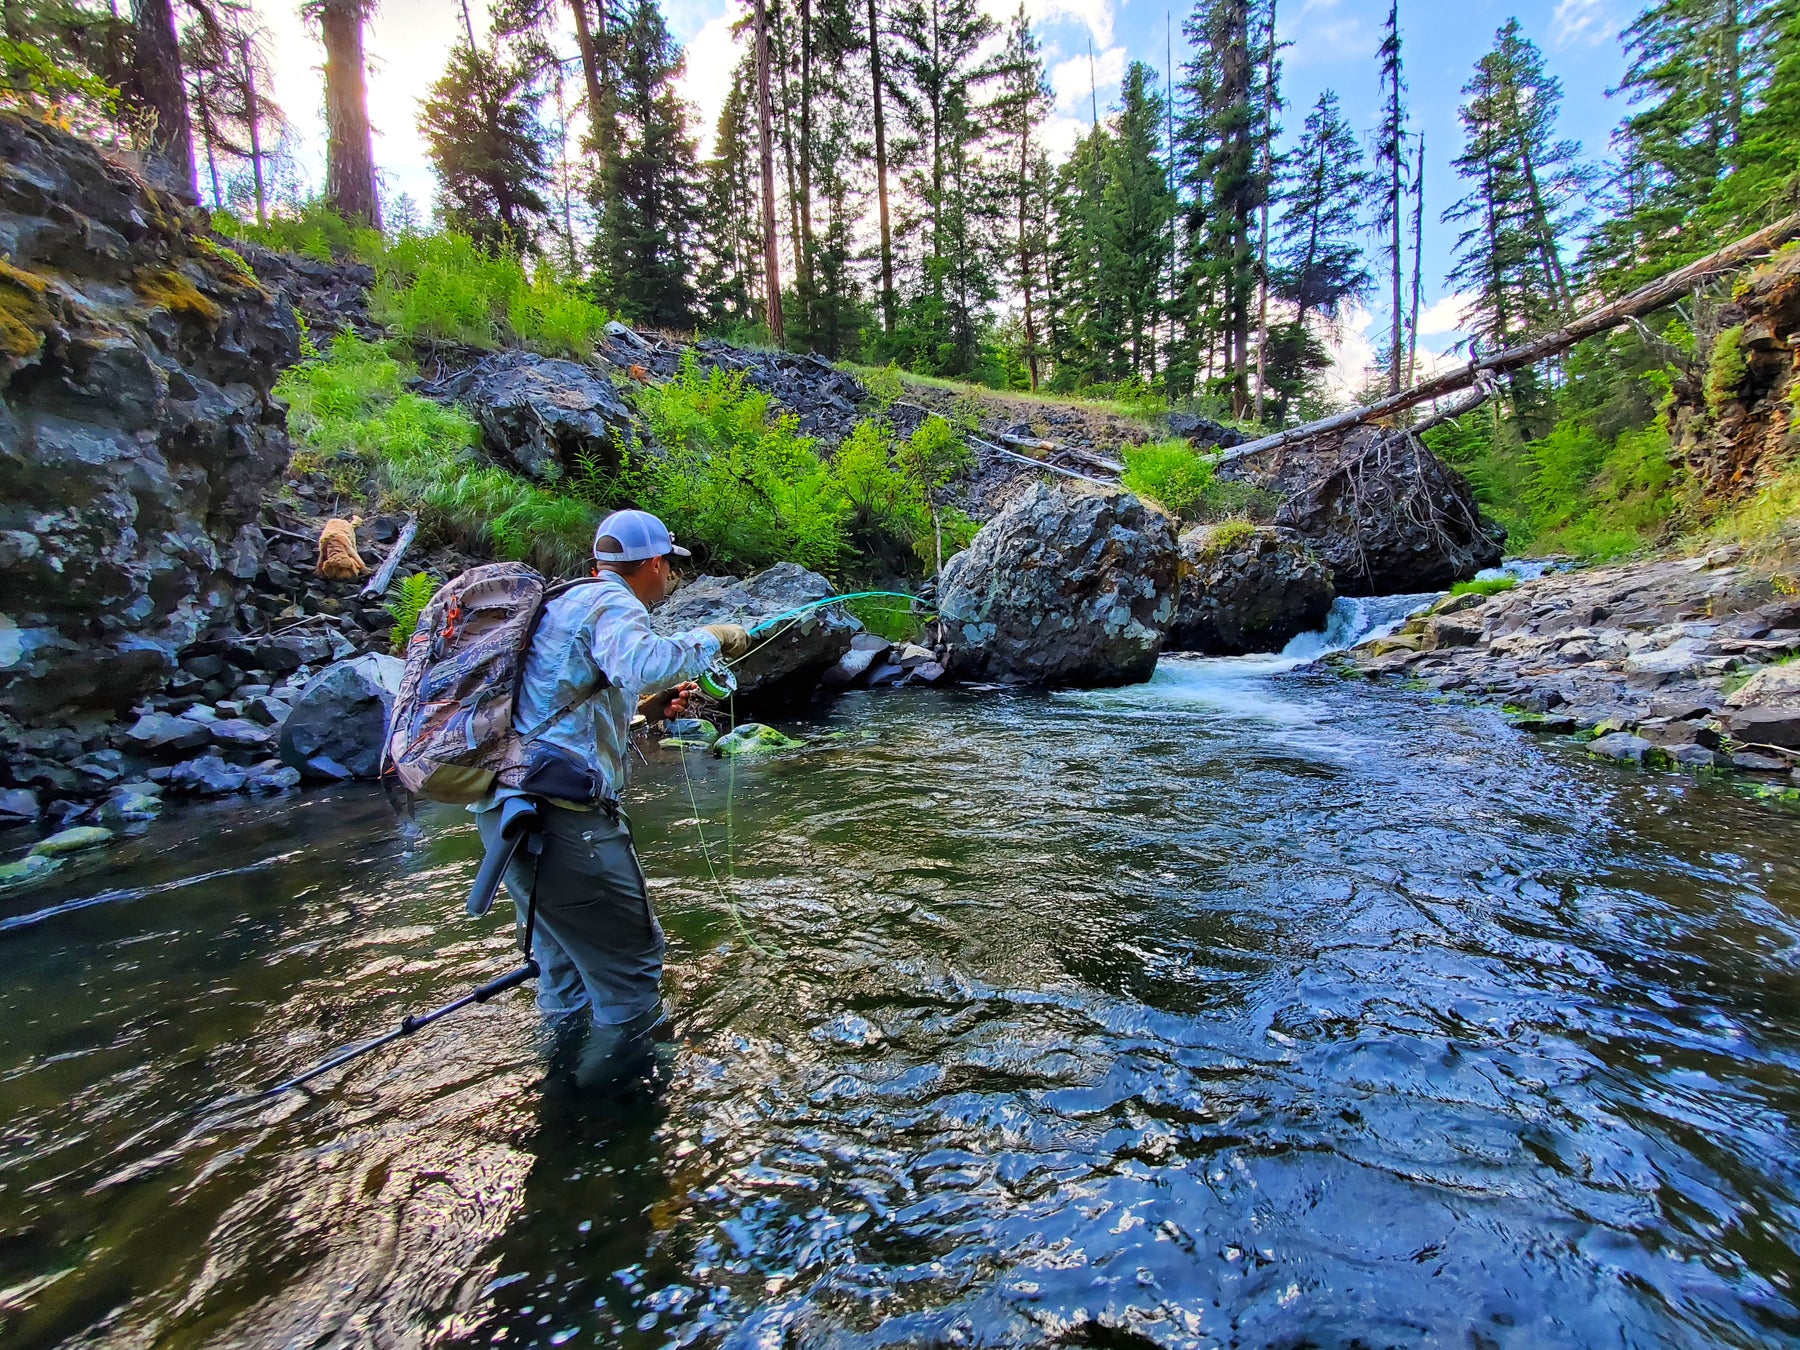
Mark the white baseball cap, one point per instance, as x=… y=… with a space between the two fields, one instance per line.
x=640 y=535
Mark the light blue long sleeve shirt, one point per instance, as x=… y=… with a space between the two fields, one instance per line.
x=591 y=630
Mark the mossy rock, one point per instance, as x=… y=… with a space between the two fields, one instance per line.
x=72 y=841
x=753 y=738
x=32 y=867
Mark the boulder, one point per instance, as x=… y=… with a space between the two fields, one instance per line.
x=1621 y=745
x=1386 y=515
x=1071 y=585
x=1766 y=709
x=1203 y=432
x=753 y=738
x=541 y=415
x=75 y=840
x=126 y=808
x=208 y=776
x=786 y=662
x=159 y=735
x=338 y=724
x=1245 y=589
x=18 y=804
x=138 y=429
x=865 y=650
x=32 y=867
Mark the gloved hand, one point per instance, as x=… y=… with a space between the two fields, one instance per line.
x=733 y=640
x=669 y=704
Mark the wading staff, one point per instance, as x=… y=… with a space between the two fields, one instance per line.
x=521 y=827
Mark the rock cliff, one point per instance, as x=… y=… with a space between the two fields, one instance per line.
x=137 y=426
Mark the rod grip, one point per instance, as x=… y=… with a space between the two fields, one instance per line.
x=511 y=980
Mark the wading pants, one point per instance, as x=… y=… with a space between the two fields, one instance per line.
x=598 y=946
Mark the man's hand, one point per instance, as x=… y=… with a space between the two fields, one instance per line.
x=733 y=640
x=668 y=705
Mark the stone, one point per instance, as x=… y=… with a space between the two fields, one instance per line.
x=266 y=711
x=75 y=840
x=208 y=776
x=753 y=738
x=18 y=804
x=929 y=673
x=855 y=663
x=126 y=808
x=200 y=712
x=32 y=867
x=1684 y=658
x=337 y=727
x=203 y=667
x=541 y=415
x=693 y=730
x=99 y=769
x=785 y=662
x=272 y=776
x=1461 y=604
x=1697 y=757
x=1767 y=725
x=160 y=734
x=1245 y=589
x=138 y=426
x=1772 y=684
x=280 y=655
x=1070 y=586
x=1382 y=512
x=1451 y=630
x=1752 y=762
x=1203 y=432
x=1621 y=745
x=243 y=736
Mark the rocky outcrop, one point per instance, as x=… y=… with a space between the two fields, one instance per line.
x=331 y=297
x=1683 y=654
x=544 y=417
x=1202 y=432
x=1246 y=589
x=1071 y=585
x=336 y=729
x=1385 y=514
x=137 y=430
x=786 y=662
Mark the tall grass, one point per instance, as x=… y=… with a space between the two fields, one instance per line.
x=314 y=231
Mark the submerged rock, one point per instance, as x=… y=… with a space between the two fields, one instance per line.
x=32 y=867
x=137 y=425
x=1070 y=586
x=784 y=663
x=336 y=729
x=1383 y=512
x=753 y=738
x=73 y=840
x=1245 y=589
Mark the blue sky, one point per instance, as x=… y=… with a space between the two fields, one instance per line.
x=1333 y=45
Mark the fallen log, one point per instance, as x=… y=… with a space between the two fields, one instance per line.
x=1646 y=299
x=1004 y=453
x=378 y=583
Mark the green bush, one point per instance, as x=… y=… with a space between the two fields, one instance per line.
x=1484 y=585
x=314 y=231
x=885 y=616
x=448 y=288
x=352 y=415
x=1225 y=536
x=1171 y=473
x=1725 y=369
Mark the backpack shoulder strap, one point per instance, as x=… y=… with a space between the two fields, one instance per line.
x=550 y=593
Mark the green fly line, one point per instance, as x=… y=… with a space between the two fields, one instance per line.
x=775 y=625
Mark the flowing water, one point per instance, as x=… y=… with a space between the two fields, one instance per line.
x=1248 y=1007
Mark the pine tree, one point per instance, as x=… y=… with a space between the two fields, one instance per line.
x=730 y=268
x=649 y=195
x=1135 y=209
x=1764 y=181
x=489 y=148
x=1390 y=168
x=349 y=144
x=224 y=64
x=1022 y=171
x=159 y=84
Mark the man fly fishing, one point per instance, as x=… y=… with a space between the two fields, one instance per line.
x=593 y=662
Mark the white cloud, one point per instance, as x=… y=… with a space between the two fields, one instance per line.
x=1582 y=23
x=1082 y=81
x=1322 y=34
x=1447 y=316
x=712 y=56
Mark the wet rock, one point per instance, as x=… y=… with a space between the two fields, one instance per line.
x=1622 y=746
x=866 y=649
x=753 y=738
x=240 y=738
x=1069 y=586
x=280 y=655
x=207 y=776
x=541 y=415
x=336 y=729
x=271 y=775
x=1767 y=724
x=76 y=840
x=18 y=804
x=32 y=867
x=691 y=731
x=1697 y=757
x=1752 y=761
x=158 y=734
x=1246 y=589
x=1384 y=513
x=137 y=426
x=786 y=662
x=128 y=808
x=99 y=769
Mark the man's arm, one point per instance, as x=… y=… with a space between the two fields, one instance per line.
x=635 y=656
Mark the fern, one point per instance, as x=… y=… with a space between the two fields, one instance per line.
x=407 y=604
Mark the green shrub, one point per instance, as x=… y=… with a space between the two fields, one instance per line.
x=1484 y=585
x=1171 y=473
x=406 y=604
x=884 y=385
x=350 y=410
x=1225 y=536
x=314 y=231
x=448 y=288
x=1725 y=369
x=890 y=618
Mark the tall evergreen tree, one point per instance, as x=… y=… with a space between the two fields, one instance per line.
x=489 y=147
x=1022 y=174
x=1135 y=208
x=349 y=143
x=730 y=267
x=649 y=190
x=1390 y=168
x=160 y=86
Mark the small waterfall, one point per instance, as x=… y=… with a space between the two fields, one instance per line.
x=1355 y=619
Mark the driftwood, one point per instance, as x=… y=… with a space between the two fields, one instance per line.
x=1025 y=443
x=379 y=583
x=1646 y=299
x=1004 y=453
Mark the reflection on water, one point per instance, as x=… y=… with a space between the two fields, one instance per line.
x=1246 y=1007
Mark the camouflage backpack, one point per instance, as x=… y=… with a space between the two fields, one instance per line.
x=451 y=733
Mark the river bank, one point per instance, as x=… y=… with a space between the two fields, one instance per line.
x=1674 y=662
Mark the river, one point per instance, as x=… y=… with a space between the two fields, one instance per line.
x=1248 y=1007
